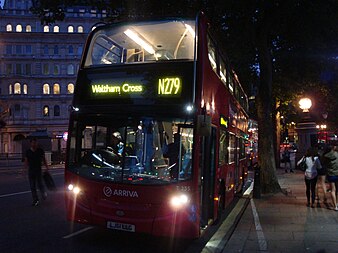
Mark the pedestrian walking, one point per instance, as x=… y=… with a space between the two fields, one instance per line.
x=311 y=174
x=287 y=161
x=331 y=163
x=34 y=158
x=321 y=184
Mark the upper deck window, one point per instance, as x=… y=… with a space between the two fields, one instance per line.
x=142 y=42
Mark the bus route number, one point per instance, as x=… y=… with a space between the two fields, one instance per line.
x=169 y=86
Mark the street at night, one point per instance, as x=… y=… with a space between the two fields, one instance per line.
x=44 y=228
x=169 y=126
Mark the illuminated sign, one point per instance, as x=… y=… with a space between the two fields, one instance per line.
x=164 y=87
x=117 y=89
x=169 y=86
x=223 y=121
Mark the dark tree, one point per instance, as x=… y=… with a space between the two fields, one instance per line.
x=282 y=46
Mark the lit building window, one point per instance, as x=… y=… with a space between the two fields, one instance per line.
x=18 y=28
x=56 y=88
x=46 y=89
x=80 y=29
x=46 y=29
x=70 y=88
x=70 y=29
x=28 y=28
x=17 y=88
x=56 y=110
x=10 y=89
x=46 y=111
x=9 y=28
x=56 y=29
x=25 y=89
x=70 y=69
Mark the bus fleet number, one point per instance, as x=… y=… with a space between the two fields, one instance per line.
x=183 y=188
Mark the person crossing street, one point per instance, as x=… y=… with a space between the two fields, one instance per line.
x=34 y=158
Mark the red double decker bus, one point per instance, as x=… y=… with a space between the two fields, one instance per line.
x=157 y=134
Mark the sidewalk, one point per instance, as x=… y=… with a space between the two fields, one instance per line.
x=13 y=168
x=283 y=223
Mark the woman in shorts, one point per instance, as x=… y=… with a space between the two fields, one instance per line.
x=331 y=163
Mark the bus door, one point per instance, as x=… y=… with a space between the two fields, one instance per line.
x=237 y=165
x=207 y=173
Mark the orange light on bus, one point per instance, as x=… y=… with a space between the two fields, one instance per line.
x=216 y=198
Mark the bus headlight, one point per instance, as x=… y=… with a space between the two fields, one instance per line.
x=179 y=201
x=72 y=188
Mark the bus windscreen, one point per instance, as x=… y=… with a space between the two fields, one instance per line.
x=142 y=42
x=139 y=151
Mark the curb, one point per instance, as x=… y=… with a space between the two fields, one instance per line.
x=219 y=240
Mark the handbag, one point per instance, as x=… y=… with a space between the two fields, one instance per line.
x=47 y=177
x=302 y=166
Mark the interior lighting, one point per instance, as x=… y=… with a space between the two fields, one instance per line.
x=135 y=37
x=212 y=61
x=189 y=28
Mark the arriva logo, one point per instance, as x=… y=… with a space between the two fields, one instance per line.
x=107 y=191
x=125 y=193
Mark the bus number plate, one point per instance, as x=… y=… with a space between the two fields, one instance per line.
x=121 y=226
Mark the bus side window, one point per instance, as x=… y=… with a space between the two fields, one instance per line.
x=135 y=55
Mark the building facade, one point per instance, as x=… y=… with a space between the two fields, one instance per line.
x=38 y=66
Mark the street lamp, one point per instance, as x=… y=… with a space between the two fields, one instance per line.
x=305 y=104
x=306 y=129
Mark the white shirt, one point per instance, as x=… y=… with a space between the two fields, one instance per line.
x=311 y=166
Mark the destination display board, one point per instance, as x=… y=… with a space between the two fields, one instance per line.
x=170 y=83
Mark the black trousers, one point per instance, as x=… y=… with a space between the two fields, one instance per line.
x=35 y=179
x=311 y=189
